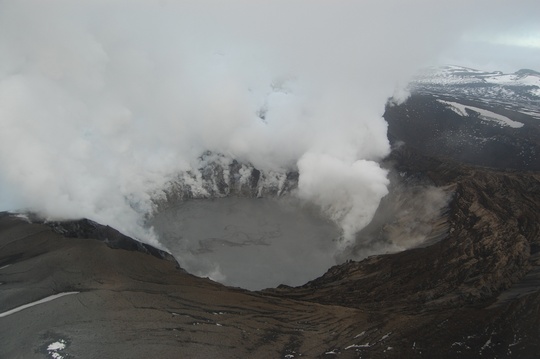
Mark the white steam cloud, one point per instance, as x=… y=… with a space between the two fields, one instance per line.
x=349 y=193
x=102 y=102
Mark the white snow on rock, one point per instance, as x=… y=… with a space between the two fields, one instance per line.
x=57 y=346
x=54 y=348
x=448 y=75
x=519 y=89
x=513 y=79
x=460 y=75
x=486 y=345
x=485 y=115
x=525 y=112
x=23 y=216
x=355 y=346
x=41 y=301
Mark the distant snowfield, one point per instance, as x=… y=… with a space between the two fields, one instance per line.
x=529 y=80
x=451 y=75
x=485 y=115
x=444 y=78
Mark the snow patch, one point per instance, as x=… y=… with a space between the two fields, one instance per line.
x=59 y=345
x=23 y=217
x=521 y=88
x=531 y=113
x=485 y=115
x=451 y=75
x=515 y=342
x=355 y=346
x=514 y=80
x=41 y=301
x=486 y=345
x=54 y=348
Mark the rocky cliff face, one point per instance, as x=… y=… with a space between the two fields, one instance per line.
x=221 y=176
x=469 y=295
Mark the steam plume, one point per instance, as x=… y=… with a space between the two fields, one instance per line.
x=102 y=102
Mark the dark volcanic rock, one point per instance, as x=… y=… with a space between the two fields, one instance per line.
x=124 y=303
x=433 y=129
x=86 y=228
x=460 y=292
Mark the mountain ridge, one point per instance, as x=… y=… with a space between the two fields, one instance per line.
x=519 y=91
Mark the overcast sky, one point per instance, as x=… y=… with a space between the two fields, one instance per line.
x=510 y=45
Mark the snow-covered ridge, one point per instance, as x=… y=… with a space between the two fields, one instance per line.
x=519 y=91
x=221 y=176
x=484 y=115
x=464 y=75
x=448 y=75
x=514 y=79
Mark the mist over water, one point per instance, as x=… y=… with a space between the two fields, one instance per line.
x=250 y=243
x=103 y=103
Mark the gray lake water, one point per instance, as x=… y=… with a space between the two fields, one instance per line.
x=246 y=242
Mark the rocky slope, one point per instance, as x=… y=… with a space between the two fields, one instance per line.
x=429 y=124
x=473 y=294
